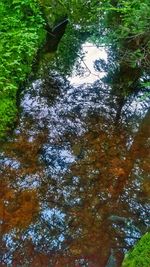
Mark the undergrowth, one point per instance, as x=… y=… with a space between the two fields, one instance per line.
x=140 y=255
x=22 y=33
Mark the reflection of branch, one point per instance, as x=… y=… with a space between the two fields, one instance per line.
x=52 y=226
x=98 y=46
x=90 y=73
x=130 y=236
x=134 y=153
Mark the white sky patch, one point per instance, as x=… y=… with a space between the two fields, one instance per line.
x=29 y=181
x=9 y=162
x=49 y=213
x=90 y=75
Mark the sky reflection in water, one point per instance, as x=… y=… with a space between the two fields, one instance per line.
x=75 y=184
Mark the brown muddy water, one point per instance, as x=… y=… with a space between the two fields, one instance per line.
x=74 y=174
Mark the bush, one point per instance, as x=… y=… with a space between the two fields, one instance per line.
x=22 y=32
x=140 y=255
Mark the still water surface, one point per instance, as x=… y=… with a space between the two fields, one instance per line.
x=75 y=172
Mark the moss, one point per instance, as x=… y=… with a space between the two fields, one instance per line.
x=140 y=255
x=22 y=33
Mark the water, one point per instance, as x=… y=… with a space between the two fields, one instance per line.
x=74 y=178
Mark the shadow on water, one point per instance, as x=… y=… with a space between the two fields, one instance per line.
x=74 y=175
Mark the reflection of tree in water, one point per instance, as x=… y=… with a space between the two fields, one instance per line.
x=89 y=214
x=79 y=198
x=75 y=177
x=103 y=214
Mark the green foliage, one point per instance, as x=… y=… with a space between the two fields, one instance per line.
x=126 y=30
x=126 y=24
x=65 y=62
x=83 y=16
x=123 y=18
x=140 y=255
x=7 y=112
x=118 y=23
x=22 y=32
x=82 y=12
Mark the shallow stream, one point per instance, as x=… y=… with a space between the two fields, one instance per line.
x=74 y=173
